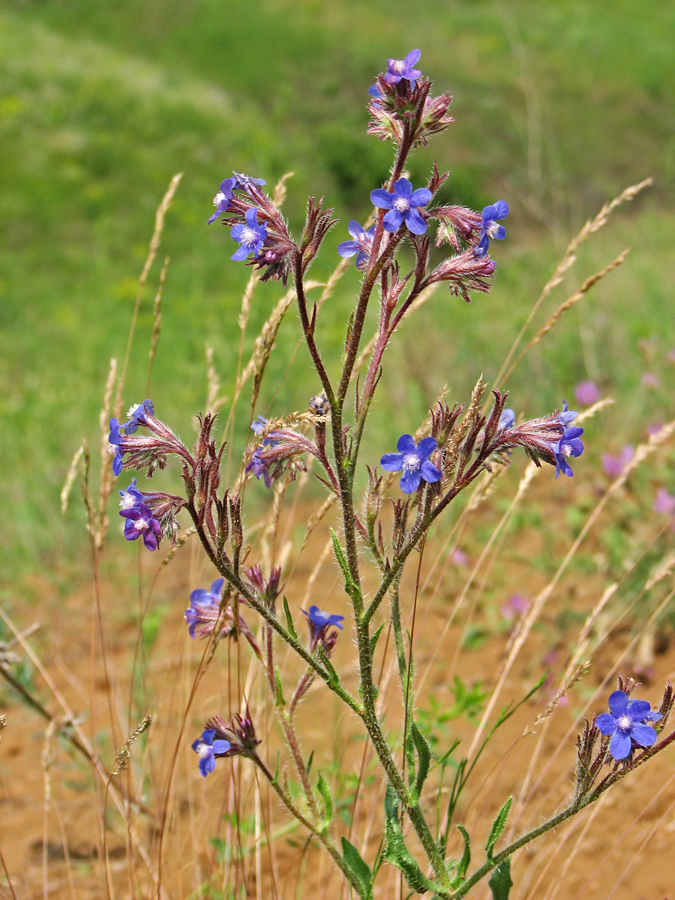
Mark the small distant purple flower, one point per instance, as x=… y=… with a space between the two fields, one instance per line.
x=490 y=230
x=361 y=245
x=614 y=465
x=414 y=461
x=241 y=182
x=506 y=420
x=203 y=604
x=664 y=503
x=626 y=723
x=654 y=429
x=222 y=199
x=208 y=749
x=587 y=393
x=459 y=558
x=251 y=236
x=114 y=439
x=402 y=204
x=132 y=497
x=137 y=415
x=403 y=68
x=140 y=521
x=319 y=622
x=649 y=379
x=515 y=606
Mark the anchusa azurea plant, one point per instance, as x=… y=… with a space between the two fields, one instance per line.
x=435 y=461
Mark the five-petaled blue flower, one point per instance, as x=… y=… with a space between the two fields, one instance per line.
x=402 y=204
x=222 y=199
x=403 y=68
x=202 y=600
x=489 y=227
x=132 y=497
x=319 y=622
x=569 y=444
x=361 y=245
x=207 y=749
x=140 y=521
x=626 y=723
x=251 y=236
x=414 y=461
x=137 y=415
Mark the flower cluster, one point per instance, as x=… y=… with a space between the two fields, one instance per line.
x=569 y=444
x=139 y=517
x=222 y=739
x=138 y=414
x=320 y=623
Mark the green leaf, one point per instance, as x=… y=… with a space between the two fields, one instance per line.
x=289 y=620
x=280 y=689
x=324 y=789
x=498 y=827
x=500 y=881
x=395 y=850
x=333 y=678
x=350 y=586
x=358 y=867
x=374 y=638
x=423 y=760
x=463 y=864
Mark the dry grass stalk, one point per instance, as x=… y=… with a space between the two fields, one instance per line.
x=157 y=319
x=122 y=756
x=106 y=478
x=180 y=540
x=70 y=478
x=468 y=419
x=3 y=725
x=155 y=240
x=568 y=304
x=213 y=401
x=568 y=683
x=662 y=571
x=245 y=310
x=568 y=261
x=279 y=194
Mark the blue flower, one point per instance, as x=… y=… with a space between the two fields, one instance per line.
x=414 y=460
x=375 y=92
x=569 y=444
x=361 y=245
x=137 y=415
x=251 y=236
x=258 y=465
x=403 y=68
x=203 y=605
x=489 y=227
x=140 y=521
x=402 y=204
x=242 y=182
x=319 y=622
x=208 y=749
x=626 y=723
x=506 y=420
x=222 y=199
x=114 y=439
x=132 y=497
x=567 y=416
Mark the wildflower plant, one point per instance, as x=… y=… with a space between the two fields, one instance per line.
x=438 y=460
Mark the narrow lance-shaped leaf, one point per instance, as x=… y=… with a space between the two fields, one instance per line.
x=498 y=827
x=423 y=760
x=463 y=864
x=350 y=586
x=324 y=790
x=500 y=881
x=289 y=620
x=358 y=867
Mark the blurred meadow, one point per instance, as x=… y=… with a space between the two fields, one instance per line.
x=558 y=108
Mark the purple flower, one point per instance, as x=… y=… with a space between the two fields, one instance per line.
x=251 y=236
x=375 y=92
x=587 y=393
x=664 y=503
x=132 y=497
x=614 y=465
x=567 y=416
x=402 y=204
x=649 y=379
x=203 y=605
x=506 y=420
x=137 y=415
x=626 y=723
x=241 y=182
x=222 y=199
x=568 y=445
x=414 y=461
x=489 y=227
x=114 y=439
x=319 y=622
x=403 y=68
x=140 y=521
x=208 y=749
x=515 y=606
x=361 y=245
x=258 y=465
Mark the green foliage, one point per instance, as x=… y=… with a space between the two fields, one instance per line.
x=324 y=789
x=423 y=759
x=351 y=588
x=500 y=881
x=151 y=625
x=395 y=850
x=498 y=827
x=358 y=867
x=289 y=619
x=465 y=861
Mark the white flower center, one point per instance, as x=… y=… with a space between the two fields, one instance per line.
x=204 y=750
x=127 y=501
x=398 y=66
x=132 y=409
x=411 y=462
x=141 y=524
x=624 y=723
x=402 y=204
x=493 y=228
x=250 y=236
x=219 y=196
x=112 y=448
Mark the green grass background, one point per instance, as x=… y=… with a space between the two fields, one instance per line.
x=558 y=107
